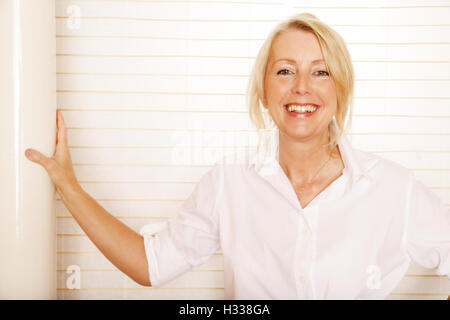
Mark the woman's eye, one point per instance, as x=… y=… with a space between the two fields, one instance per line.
x=322 y=73
x=283 y=72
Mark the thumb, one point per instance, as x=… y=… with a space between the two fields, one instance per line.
x=37 y=157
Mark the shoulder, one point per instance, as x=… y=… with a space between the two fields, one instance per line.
x=380 y=167
x=233 y=162
x=236 y=161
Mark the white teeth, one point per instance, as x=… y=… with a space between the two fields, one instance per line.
x=302 y=109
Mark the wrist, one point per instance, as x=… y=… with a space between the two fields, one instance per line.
x=69 y=189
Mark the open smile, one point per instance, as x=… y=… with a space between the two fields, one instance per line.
x=303 y=110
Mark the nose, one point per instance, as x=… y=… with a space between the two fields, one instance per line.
x=302 y=84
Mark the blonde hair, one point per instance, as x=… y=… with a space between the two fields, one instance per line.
x=339 y=65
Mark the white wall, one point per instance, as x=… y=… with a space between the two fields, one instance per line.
x=138 y=79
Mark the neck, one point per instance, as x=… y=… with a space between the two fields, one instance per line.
x=300 y=160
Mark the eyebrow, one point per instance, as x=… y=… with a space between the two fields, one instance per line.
x=293 y=61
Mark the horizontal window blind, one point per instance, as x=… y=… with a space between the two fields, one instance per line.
x=153 y=93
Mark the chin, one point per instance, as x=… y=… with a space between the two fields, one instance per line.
x=297 y=134
x=301 y=133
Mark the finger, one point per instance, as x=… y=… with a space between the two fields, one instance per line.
x=62 y=132
x=37 y=157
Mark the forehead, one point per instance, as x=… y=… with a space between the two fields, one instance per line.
x=297 y=45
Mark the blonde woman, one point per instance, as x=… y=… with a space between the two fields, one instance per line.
x=306 y=216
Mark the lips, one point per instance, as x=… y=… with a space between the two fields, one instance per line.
x=299 y=105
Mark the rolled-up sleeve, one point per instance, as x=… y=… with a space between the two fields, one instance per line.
x=428 y=231
x=188 y=239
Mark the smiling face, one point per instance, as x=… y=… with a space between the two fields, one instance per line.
x=297 y=75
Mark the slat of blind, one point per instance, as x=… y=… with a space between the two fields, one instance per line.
x=242 y=11
x=133 y=191
x=374 y=142
x=401 y=125
x=380 y=16
x=227 y=85
x=173 y=191
x=137 y=209
x=118 y=280
x=411 y=107
x=98 y=261
x=412 y=159
x=251 y=29
x=209 y=10
x=375 y=4
x=144 y=293
x=167 y=159
x=421 y=49
x=209 y=123
x=131 y=173
x=87 y=137
x=151 y=101
x=70 y=226
x=405 y=107
x=365 y=68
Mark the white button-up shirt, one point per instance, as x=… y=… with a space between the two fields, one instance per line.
x=355 y=240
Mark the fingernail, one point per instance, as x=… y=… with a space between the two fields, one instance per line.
x=28 y=153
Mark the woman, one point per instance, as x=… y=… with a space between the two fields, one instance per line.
x=306 y=216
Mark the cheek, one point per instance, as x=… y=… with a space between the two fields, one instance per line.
x=276 y=92
x=328 y=93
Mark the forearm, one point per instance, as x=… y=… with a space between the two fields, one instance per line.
x=119 y=243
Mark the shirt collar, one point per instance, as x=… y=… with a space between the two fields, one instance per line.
x=264 y=159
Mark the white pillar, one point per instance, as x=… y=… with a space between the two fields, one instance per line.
x=27 y=120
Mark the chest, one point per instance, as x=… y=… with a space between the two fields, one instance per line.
x=307 y=193
x=341 y=245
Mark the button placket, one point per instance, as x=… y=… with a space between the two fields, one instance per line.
x=304 y=251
